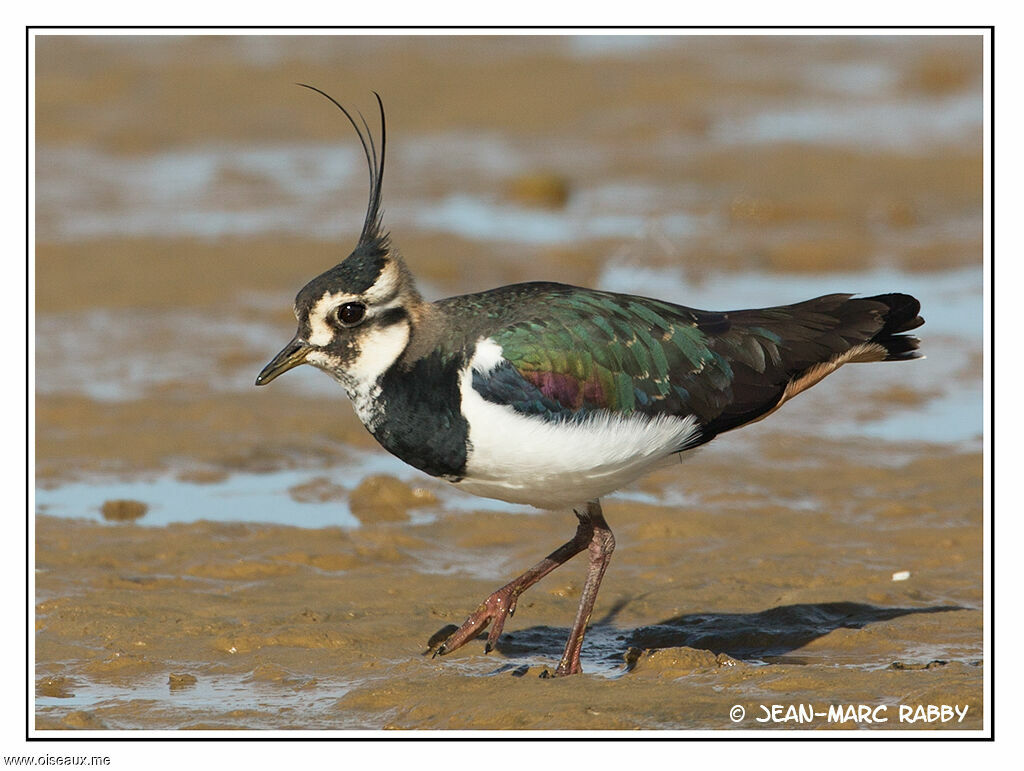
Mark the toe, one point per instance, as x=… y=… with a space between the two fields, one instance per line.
x=435 y=644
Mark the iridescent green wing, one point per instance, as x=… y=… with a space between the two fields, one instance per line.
x=570 y=352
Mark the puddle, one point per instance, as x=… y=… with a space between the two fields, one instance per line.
x=214 y=700
x=264 y=498
x=239 y=498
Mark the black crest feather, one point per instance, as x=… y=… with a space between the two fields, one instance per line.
x=373 y=241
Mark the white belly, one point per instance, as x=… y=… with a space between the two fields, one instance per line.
x=525 y=459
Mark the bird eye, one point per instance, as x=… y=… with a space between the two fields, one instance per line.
x=351 y=314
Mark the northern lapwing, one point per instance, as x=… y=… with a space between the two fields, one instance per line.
x=554 y=395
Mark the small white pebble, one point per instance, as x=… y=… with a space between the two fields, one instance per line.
x=901 y=575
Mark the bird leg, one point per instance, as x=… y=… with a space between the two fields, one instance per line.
x=502 y=603
x=602 y=544
x=592 y=534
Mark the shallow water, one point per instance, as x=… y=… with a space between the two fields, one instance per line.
x=219 y=700
x=268 y=497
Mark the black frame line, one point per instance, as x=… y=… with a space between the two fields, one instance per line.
x=725 y=734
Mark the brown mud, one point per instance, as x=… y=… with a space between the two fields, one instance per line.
x=767 y=569
x=799 y=606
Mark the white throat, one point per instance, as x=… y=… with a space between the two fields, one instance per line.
x=379 y=349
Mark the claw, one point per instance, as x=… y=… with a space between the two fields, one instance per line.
x=501 y=604
x=436 y=643
x=490 y=613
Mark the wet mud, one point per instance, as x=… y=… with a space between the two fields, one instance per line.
x=733 y=600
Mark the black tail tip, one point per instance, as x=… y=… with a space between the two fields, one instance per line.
x=901 y=315
x=901 y=348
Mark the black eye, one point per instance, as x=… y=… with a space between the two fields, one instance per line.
x=351 y=314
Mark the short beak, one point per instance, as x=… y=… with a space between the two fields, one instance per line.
x=292 y=355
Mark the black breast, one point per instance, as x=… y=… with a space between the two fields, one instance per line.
x=422 y=419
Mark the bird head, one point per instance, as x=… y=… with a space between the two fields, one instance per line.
x=355 y=319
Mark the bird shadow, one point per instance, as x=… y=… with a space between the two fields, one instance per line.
x=761 y=636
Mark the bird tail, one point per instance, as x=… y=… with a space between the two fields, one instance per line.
x=776 y=353
x=901 y=315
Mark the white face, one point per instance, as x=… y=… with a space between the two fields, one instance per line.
x=350 y=328
x=357 y=337
x=362 y=357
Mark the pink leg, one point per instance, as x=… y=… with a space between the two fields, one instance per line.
x=593 y=533
x=602 y=544
x=502 y=603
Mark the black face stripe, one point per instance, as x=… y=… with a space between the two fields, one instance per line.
x=346 y=341
x=391 y=316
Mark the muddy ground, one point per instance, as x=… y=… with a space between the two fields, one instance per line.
x=288 y=627
x=779 y=566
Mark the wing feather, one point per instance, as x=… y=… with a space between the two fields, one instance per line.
x=571 y=352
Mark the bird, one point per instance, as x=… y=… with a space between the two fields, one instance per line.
x=553 y=395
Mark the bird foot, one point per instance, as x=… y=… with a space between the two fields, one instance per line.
x=547 y=674
x=491 y=612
